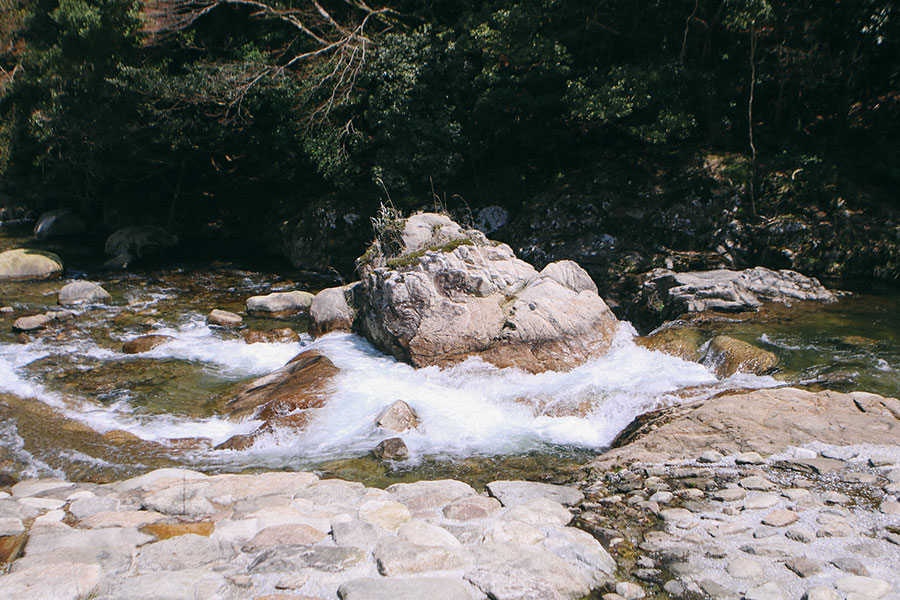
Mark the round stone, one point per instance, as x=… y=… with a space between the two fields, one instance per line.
x=745 y=568
x=780 y=518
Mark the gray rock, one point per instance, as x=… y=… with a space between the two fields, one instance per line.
x=82 y=292
x=64 y=581
x=356 y=533
x=767 y=591
x=717 y=591
x=285 y=559
x=59 y=222
x=32 y=323
x=25 y=263
x=183 y=584
x=780 y=518
x=832 y=497
x=399 y=417
x=395 y=556
x=820 y=593
x=391 y=449
x=79 y=540
x=182 y=552
x=730 y=291
x=426 y=534
x=580 y=549
x=729 y=494
x=745 y=568
x=749 y=458
x=893 y=476
x=709 y=456
x=761 y=501
x=330 y=311
x=890 y=507
x=851 y=565
x=512 y=493
x=755 y=482
x=568 y=274
x=863 y=587
x=428 y=495
x=439 y=298
x=803 y=566
x=471 y=507
x=540 y=512
x=398 y=588
x=508 y=572
x=289 y=534
x=179 y=500
x=280 y=302
x=629 y=591
x=674 y=588
x=84 y=508
x=840 y=453
x=11 y=526
x=801 y=533
x=111 y=559
x=10 y=509
x=224 y=318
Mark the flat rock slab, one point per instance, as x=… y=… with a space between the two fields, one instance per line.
x=66 y=581
x=185 y=584
x=513 y=493
x=287 y=559
x=405 y=589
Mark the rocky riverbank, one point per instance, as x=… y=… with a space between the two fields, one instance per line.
x=806 y=508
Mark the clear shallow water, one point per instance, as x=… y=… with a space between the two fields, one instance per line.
x=71 y=403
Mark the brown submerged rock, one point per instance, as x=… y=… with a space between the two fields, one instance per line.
x=280 y=335
x=445 y=294
x=282 y=398
x=145 y=343
x=681 y=342
x=727 y=355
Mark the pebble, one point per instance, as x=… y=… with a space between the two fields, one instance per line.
x=710 y=456
x=803 y=567
x=851 y=565
x=801 y=533
x=675 y=588
x=767 y=591
x=760 y=502
x=662 y=497
x=890 y=507
x=795 y=494
x=749 y=458
x=820 y=593
x=745 y=568
x=780 y=518
x=629 y=591
x=863 y=587
x=755 y=482
x=729 y=494
x=894 y=476
x=832 y=497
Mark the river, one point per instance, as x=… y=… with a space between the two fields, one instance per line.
x=72 y=404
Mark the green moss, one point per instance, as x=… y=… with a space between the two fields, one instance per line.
x=412 y=258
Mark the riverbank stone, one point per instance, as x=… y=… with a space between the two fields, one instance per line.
x=513 y=493
x=26 y=263
x=224 y=318
x=32 y=323
x=280 y=302
x=82 y=292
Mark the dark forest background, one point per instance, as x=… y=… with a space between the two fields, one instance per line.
x=242 y=122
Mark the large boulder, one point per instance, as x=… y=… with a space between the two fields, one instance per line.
x=732 y=423
x=58 y=223
x=436 y=294
x=666 y=294
x=25 y=263
x=82 y=292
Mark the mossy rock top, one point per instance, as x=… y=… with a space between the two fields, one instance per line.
x=26 y=263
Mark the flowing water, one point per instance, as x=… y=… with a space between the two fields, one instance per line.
x=71 y=403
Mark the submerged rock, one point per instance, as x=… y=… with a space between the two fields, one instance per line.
x=58 y=223
x=280 y=302
x=727 y=355
x=666 y=294
x=82 y=292
x=683 y=342
x=282 y=398
x=280 y=335
x=436 y=294
x=25 y=263
x=144 y=343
